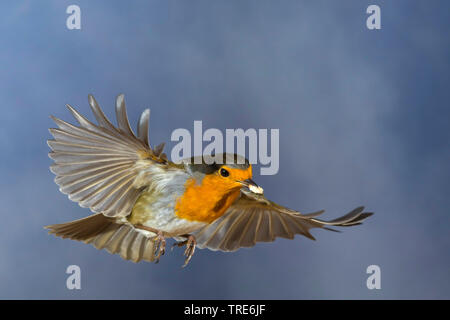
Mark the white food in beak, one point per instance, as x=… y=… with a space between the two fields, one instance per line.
x=256 y=189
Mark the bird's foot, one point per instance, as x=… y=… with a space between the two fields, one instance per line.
x=160 y=244
x=190 y=244
x=160 y=241
x=190 y=249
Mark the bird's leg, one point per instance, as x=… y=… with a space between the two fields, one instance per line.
x=160 y=241
x=190 y=249
x=160 y=244
x=190 y=243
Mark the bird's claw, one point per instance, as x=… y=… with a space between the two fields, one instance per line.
x=160 y=244
x=191 y=243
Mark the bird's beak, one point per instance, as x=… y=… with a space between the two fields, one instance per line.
x=252 y=186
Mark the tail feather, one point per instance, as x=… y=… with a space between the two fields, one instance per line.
x=104 y=233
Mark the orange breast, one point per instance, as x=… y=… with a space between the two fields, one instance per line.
x=207 y=201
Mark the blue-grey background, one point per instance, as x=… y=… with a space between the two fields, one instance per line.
x=363 y=118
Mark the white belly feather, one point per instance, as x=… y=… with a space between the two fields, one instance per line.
x=167 y=186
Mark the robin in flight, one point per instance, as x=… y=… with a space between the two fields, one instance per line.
x=139 y=198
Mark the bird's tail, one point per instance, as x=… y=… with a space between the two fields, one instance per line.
x=105 y=233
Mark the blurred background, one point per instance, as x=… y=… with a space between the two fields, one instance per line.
x=363 y=118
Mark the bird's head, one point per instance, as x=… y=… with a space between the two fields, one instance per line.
x=231 y=172
x=231 y=177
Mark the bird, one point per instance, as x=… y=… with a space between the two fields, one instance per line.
x=139 y=198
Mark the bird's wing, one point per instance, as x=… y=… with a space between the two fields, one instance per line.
x=252 y=218
x=96 y=165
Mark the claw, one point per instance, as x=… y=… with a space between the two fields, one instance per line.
x=159 y=241
x=191 y=243
x=160 y=244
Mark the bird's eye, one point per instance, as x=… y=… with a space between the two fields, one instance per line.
x=224 y=173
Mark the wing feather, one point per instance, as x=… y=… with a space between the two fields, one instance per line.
x=96 y=164
x=143 y=127
x=236 y=228
x=252 y=218
x=122 y=117
x=246 y=235
x=99 y=115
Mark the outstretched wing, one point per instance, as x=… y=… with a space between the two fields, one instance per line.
x=96 y=164
x=252 y=218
